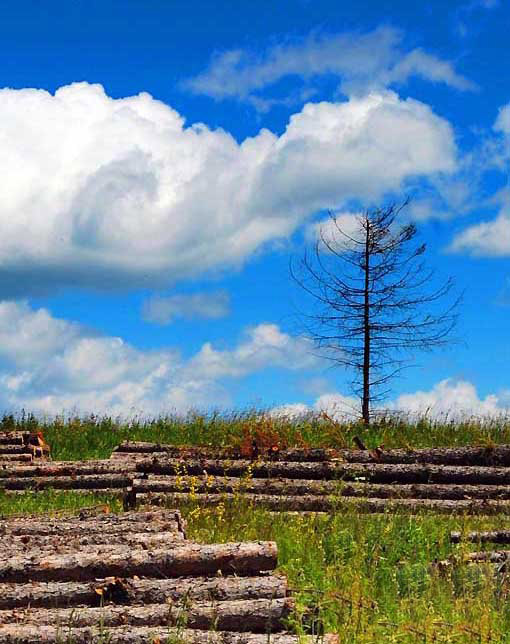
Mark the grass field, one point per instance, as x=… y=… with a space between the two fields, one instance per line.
x=371 y=578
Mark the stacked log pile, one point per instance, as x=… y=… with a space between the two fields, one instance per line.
x=22 y=447
x=445 y=480
x=135 y=577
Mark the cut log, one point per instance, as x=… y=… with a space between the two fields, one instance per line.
x=98 y=542
x=333 y=504
x=190 y=559
x=494 y=536
x=497 y=455
x=97 y=513
x=140 y=591
x=12 y=459
x=67 y=468
x=295 y=487
x=12 y=449
x=82 y=528
x=367 y=472
x=13 y=438
x=148 y=635
x=256 y=615
x=493 y=556
x=87 y=482
x=293 y=454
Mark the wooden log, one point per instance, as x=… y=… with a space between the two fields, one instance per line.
x=493 y=556
x=140 y=591
x=96 y=541
x=492 y=536
x=367 y=472
x=292 y=454
x=12 y=459
x=13 y=438
x=191 y=559
x=146 y=634
x=66 y=468
x=295 y=487
x=77 y=482
x=255 y=615
x=12 y=449
x=497 y=455
x=313 y=503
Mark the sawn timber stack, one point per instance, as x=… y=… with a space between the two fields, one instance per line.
x=22 y=447
x=64 y=578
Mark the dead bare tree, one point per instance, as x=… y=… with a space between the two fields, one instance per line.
x=375 y=297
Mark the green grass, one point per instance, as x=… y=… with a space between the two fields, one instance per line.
x=371 y=578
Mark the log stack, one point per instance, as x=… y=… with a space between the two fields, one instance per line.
x=474 y=480
x=135 y=577
x=22 y=447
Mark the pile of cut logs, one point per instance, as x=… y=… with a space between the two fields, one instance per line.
x=22 y=447
x=462 y=480
x=466 y=480
x=134 y=577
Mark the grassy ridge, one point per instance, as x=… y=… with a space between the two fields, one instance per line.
x=371 y=578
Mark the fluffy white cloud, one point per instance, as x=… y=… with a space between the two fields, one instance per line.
x=162 y=310
x=363 y=61
x=488 y=238
x=448 y=399
x=49 y=365
x=118 y=193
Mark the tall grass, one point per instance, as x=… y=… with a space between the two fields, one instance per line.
x=92 y=436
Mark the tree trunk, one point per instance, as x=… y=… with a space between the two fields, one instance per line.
x=67 y=468
x=146 y=634
x=294 y=487
x=13 y=438
x=498 y=455
x=292 y=454
x=368 y=472
x=86 y=482
x=332 y=504
x=365 y=402
x=93 y=541
x=190 y=559
x=494 y=536
x=9 y=459
x=12 y=449
x=256 y=615
x=140 y=591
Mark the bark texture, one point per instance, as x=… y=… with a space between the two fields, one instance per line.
x=190 y=559
x=255 y=615
x=293 y=454
x=140 y=591
x=340 y=504
x=495 y=536
x=8 y=459
x=498 y=455
x=148 y=635
x=13 y=438
x=295 y=487
x=80 y=481
x=67 y=468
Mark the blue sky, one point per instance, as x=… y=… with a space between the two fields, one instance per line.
x=162 y=161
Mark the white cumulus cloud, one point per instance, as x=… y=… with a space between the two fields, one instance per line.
x=120 y=193
x=50 y=365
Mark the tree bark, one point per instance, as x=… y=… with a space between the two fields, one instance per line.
x=147 y=634
x=13 y=438
x=494 y=536
x=292 y=454
x=332 y=504
x=12 y=449
x=256 y=615
x=493 y=556
x=86 y=482
x=140 y=591
x=67 y=468
x=498 y=455
x=10 y=459
x=368 y=472
x=91 y=541
x=294 y=487
x=190 y=559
